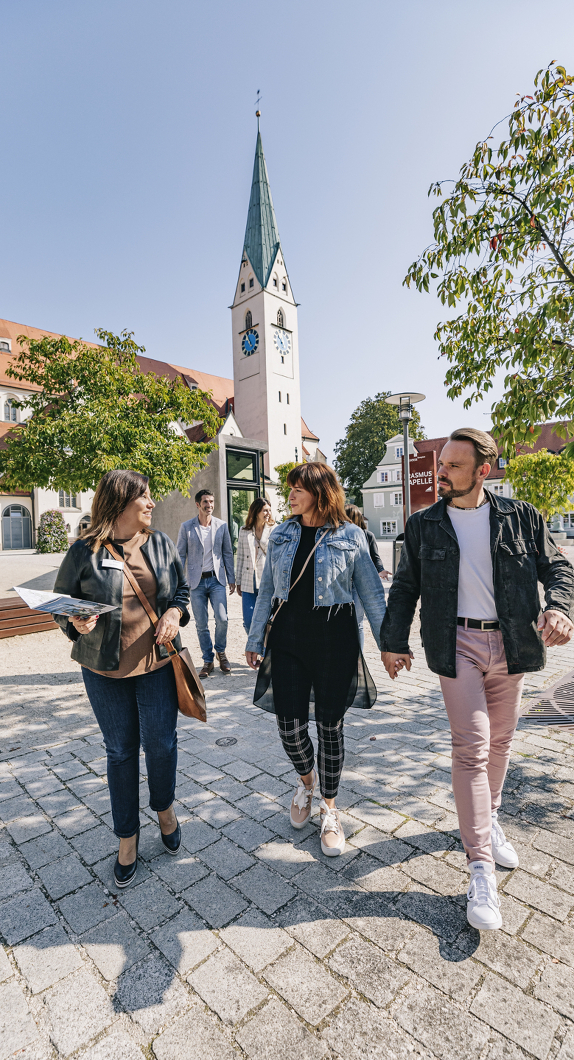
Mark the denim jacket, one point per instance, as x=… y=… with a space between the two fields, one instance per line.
x=342 y=563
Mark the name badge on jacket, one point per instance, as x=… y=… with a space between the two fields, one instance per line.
x=117 y=564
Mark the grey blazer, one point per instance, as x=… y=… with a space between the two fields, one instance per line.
x=190 y=548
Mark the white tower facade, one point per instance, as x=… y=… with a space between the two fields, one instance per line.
x=265 y=339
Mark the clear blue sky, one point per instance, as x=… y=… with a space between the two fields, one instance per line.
x=128 y=133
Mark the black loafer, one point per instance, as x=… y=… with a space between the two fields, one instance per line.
x=172 y=842
x=125 y=874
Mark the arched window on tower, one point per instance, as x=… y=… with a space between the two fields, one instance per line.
x=280 y=318
x=10 y=412
x=248 y=320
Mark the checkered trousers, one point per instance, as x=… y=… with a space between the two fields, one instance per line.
x=299 y=748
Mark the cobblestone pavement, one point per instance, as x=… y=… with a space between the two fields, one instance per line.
x=250 y=943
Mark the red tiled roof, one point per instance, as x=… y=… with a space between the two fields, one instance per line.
x=306 y=433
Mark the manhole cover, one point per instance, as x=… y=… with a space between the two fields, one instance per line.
x=226 y=741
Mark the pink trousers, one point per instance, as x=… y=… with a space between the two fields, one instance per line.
x=483 y=704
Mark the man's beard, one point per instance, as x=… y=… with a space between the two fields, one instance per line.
x=450 y=494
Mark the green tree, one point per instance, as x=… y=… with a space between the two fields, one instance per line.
x=52 y=536
x=282 y=488
x=95 y=410
x=544 y=479
x=504 y=248
x=363 y=447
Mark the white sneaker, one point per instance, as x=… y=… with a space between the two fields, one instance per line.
x=332 y=836
x=502 y=850
x=483 y=906
x=301 y=803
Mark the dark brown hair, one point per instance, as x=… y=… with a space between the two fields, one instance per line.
x=115 y=490
x=256 y=507
x=355 y=515
x=485 y=448
x=320 y=480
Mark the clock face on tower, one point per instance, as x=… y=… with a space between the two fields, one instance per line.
x=282 y=341
x=250 y=342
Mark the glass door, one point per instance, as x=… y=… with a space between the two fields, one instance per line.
x=239 y=500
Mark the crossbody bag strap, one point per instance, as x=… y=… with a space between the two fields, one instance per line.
x=154 y=619
x=303 y=568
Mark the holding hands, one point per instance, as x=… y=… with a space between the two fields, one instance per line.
x=395 y=661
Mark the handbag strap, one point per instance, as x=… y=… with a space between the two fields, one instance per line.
x=303 y=568
x=154 y=619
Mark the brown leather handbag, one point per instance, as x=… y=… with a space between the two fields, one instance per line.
x=190 y=691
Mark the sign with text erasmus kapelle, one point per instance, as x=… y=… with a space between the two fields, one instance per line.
x=422 y=475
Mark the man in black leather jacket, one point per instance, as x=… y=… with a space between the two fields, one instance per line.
x=475 y=561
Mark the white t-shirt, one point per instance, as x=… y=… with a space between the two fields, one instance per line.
x=475 y=582
x=205 y=532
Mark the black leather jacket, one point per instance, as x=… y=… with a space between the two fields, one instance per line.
x=523 y=554
x=82 y=575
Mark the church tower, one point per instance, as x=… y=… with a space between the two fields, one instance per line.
x=265 y=343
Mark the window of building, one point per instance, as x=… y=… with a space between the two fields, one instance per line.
x=496 y=487
x=242 y=288
x=10 y=411
x=280 y=318
x=569 y=521
x=502 y=462
x=284 y=285
x=398 y=498
x=251 y=281
x=248 y=320
x=398 y=452
x=379 y=500
x=398 y=475
x=383 y=476
x=68 y=500
x=288 y=402
x=241 y=465
x=279 y=395
x=275 y=281
x=4 y=346
x=16 y=527
x=388 y=526
x=284 y=428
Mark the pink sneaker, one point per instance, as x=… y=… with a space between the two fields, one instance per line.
x=301 y=803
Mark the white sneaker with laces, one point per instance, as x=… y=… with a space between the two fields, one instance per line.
x=332 y=836
x=502 y=850
x=483 y=905
x=301 y=803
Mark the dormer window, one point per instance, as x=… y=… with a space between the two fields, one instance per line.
x=284 y=285
x=280 y=318
x=242 y=288
x=250 y=282
x=248 y=320
x=275 y=281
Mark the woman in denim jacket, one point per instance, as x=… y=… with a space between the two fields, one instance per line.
x=314 y=643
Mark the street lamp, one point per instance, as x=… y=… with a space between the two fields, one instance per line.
x=405 y=404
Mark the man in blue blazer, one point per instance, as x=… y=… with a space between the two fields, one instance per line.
x=204 y=546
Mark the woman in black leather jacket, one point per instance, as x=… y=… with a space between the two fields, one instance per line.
x=126 y=668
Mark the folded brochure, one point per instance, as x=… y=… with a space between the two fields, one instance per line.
x=61 y=603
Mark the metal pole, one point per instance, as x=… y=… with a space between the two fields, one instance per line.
x=406 y=483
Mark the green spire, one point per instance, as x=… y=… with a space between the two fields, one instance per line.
x=261 y=235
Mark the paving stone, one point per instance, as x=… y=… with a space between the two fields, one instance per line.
x=217 y=813
x=87 y=908
x=305 y=984
x=381 y=923
x=442 y=915
x=532 y=860
x=377 y=816
x=361 y=1032
x=179 y=871
x=114 y=946
x=13 y=809
x=17 y=1028
x=225 y=858
x=192 y=1036
x=441 y=964
x=229 y=789
x=562 y=876
x=68 y=770
x=280 y=824
x=59 y=802
x=264 y=888
x=227 y=987
x=510 y=957
x=78 y=1009
x=556 y=988
x=152 y=994
x=431 y=1018
x=550 y=937
x=150 y=904
x=539 y=894
x=185 y=941
x=214 y=901
x=371 y=973
x=382 y=846
x=63 y=877
x=196 y=834
x=525 y=1021
x=45 y=849
x=115 y=1046
x=312 y=926
x=257 y=806
x=241 y=770
x=104 y=870
x=6 y=969
x=275 y=1033
x=26 y=828
x=567 y=1050
x=376 y=877
x=436 y=875
x=256 y=939
x=96 y=844
x=14 y=879
x=203 y=774
x=76 y=821
x=247 y=833
x=24 y=916
x=285 y=857
x=46 y=958
x=99 y=802
x=555 y=845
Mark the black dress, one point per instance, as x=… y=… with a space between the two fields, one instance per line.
x=312 y=648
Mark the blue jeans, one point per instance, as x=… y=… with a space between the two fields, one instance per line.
x=248 y=605
x=132 y=711
x=210 y=589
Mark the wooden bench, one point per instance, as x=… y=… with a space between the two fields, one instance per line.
x=17 y=619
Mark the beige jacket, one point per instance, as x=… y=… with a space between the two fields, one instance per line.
x=250 y=558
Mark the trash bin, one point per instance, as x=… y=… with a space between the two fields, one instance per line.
x=397 y=546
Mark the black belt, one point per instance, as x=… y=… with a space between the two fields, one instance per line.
x=207 y=574
x=478 y=623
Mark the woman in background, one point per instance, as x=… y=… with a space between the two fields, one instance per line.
x=356 y=516
x=251 y=553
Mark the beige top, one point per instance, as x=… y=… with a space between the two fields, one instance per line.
x=139 y=653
